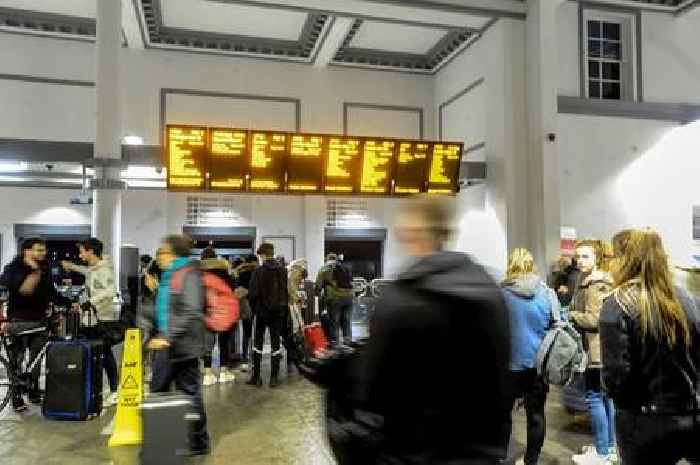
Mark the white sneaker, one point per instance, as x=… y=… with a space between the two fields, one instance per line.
x=245 y=367
x=226 y=376
x=111 y=400
x=209 y=380
x=591 y=458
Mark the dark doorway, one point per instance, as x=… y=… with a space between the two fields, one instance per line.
x=230 y=242
x=227 y=249
x=363 y=258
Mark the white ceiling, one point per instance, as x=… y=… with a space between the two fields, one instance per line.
x=223 y=18
x=401 y=38
x=83 y=8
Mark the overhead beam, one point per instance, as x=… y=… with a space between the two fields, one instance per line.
x=131 y=24
x=330 y=43
x=632 y=4
x=687 y=7
x=426 y=14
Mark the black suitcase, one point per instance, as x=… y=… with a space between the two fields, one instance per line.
x=73 y=380
x=165 y=428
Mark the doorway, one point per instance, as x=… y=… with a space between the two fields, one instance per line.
x=230 y=242
x=362 y=250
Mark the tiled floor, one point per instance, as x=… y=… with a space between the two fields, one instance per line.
x=248 y=426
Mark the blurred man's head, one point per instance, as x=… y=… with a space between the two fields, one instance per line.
x=34 y=249
x=331 y=258
x=90 y=251
x=172 y=248
x=208 y=253
x=424 y=224
x=589 y=255
x=266 y=251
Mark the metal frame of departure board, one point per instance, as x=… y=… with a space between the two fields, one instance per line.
x=323 y=159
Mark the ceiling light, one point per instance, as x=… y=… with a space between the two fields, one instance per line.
x=133 y=140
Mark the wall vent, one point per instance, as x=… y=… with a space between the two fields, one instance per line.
x=347 y=213
x=206 y=210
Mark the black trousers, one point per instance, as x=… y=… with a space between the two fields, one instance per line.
x=104 y=331
x=224 y=340
x=657 y=439
x=34 y=342
x=530 y=387
x=273 y=322
x=188 y=379
x=247 y=336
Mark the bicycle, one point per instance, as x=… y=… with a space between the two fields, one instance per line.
x=14 y=379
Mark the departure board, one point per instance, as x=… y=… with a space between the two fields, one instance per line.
x=304 y=163
x=268 y=151
x=444 y=168
x=342 y=164
x=245 y=160
x=411 y=167
x=187 y=152
x=377 y=166
x=228 y=160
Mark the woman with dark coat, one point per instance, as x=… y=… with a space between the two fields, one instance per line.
x=650 y=337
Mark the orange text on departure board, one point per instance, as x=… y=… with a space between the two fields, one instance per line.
x=443 y=157
x=341 y=152
x=303 y=146
x=182 y=165
x=265 y=147
x=376 y=163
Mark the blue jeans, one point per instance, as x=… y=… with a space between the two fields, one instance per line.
x=602 y=413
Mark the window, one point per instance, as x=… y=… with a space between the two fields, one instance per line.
x=609 y=58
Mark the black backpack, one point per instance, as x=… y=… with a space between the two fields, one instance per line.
x=341 y=277
x=273 y=288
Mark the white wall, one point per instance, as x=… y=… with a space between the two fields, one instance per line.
x=670 y=63
x=492 y=113
x=619 y=173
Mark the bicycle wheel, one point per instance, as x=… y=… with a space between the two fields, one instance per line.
x=5 y=383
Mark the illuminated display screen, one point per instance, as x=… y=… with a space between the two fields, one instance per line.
x=342 y=164
x=243 y=160
x=411 y=167
x=268 y=151
x=187 y=151
x=228 y=163
x=304 y=163
x=377 y=166
x=444 y=168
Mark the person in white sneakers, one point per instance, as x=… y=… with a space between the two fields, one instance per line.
x=219 y=267
x=101 y=288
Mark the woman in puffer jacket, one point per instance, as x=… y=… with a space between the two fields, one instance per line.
x=530 y=304
x=650 y=334
x=595 y=285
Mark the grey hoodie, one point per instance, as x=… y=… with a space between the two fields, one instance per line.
x=101 y=288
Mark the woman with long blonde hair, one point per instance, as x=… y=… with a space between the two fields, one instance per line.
x=650 y=335
x=530 y=304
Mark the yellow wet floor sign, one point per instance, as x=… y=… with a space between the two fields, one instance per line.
x=127 y=424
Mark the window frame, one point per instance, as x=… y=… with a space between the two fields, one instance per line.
x=630 y=64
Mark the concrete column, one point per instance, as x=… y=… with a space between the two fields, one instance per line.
x=107 y=193
x=543 y=164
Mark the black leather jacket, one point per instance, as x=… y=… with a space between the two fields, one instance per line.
x=649 y=378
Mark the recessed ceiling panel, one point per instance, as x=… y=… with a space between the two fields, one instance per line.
x=81 y=8
x=401 y=38
x=227 y=18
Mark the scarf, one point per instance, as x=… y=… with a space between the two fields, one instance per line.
x=163 y=297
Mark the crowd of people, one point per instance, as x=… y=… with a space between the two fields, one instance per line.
x=480 y=340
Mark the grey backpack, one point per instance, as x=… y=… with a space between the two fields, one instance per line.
x=561 y=354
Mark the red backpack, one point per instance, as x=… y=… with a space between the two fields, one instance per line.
x=222 y=304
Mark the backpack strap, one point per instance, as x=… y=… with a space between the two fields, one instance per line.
x=556 y=307
x=178 y=278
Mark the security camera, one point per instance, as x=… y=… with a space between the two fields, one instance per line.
x=551 y=137
x=49 y=166
x=159 y=169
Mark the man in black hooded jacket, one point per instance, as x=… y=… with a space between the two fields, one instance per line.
x=445 y=313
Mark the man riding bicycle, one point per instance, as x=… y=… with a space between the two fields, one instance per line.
x=28 y=280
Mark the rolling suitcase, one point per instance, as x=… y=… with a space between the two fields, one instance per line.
x=315 y=339
x=73 y=380
x=165 y=429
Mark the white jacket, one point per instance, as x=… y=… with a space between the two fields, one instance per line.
x=101 y=288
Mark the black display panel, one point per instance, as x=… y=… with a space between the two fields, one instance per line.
x=443 y=176
x=268 y=152
x=305 y=163
x=228 y=159
x=187 y=154
x=377 y=166
x=411 y=167
x=342 y=165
